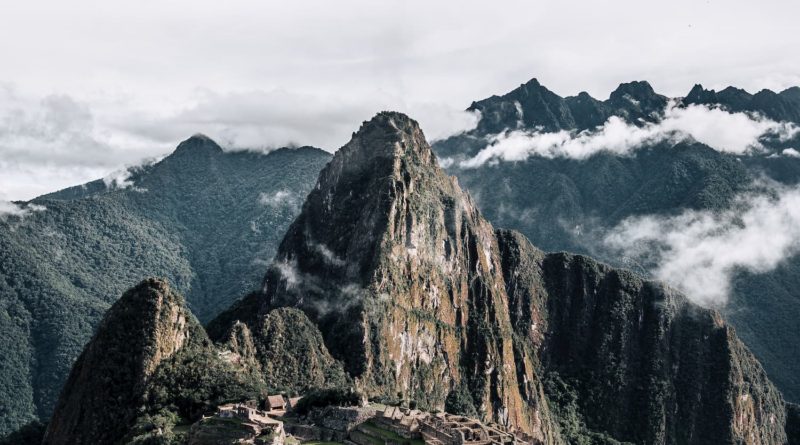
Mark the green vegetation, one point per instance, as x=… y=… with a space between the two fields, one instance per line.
x=460 y=401
x=318 y=398
x=293 y=356
x=31 y=433
x=196 y=380
x=157 y=429
x=196 y=218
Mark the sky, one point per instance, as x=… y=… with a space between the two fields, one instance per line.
x=89 y=87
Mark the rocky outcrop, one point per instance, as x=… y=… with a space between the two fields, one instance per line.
x=292 y=354
x=107 y=384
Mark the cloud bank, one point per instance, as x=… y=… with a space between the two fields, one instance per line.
x=699 y=251
x=51 y=142
x=737 y=133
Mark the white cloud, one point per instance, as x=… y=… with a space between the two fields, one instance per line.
x=738 y=133
x=699 y=251
x=8 y=208
x=119 y=179
x=51 y=142
x=791 y=152
x=355 y=57
x=259 y=119
x=123 y=178
x=278 y=199
x=327 y=254
x=38 y=135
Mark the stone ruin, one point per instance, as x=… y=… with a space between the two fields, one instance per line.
x=356 y=426
x=248 y=424
x=446 y=429
x=450 y=429
x=330 y=423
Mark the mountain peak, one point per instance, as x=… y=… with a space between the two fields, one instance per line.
x=700 y=95
x=792 y=94
x=146 y=326
x=388 y=134
x=636 y=89
x=198 y=143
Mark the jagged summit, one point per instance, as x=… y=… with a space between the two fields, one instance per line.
x=700 y=95
x=636 y=88
x=388 y=135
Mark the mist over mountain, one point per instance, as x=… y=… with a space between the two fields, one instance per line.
x=206 y=220
x=661 y=185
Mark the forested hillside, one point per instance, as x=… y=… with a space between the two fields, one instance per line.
x=206 y=220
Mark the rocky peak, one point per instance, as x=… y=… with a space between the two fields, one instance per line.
x=147 y=325
x=638 y=89
x=637 y=101
x=393 y=262
x=699 y=95
x=388 y=135
x=530 y=105
x=792 y=94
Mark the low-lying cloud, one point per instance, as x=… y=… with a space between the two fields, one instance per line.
x=8 y=208
x=279 y=199
x=700 y=251
x=738 y=133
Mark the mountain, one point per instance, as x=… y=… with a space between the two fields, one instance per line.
x=421 y=299
x=783 y=106
x=565 y=204
x=206 y=219
x=534 y=106
x=149 y=362
x=148 y=325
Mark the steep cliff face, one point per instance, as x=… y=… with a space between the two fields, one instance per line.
x=646 y=365
x=146 y=326
x=392 y=261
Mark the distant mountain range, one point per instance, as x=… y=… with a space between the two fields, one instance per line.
x=561 y=203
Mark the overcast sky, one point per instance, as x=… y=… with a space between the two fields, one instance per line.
x=87 y=87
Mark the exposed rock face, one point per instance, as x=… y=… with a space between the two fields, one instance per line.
x=402 y=275
x=648 y=366
x=146 y=326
